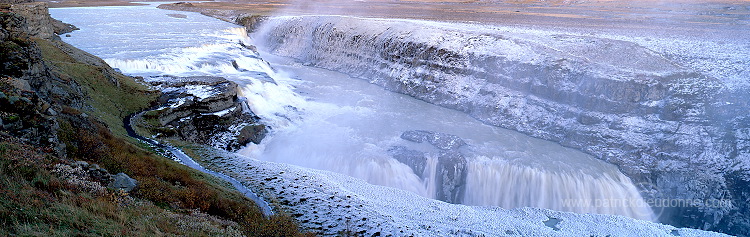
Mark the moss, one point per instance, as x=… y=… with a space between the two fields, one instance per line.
x=35 y=203
x=112 y=96
x=100 y=138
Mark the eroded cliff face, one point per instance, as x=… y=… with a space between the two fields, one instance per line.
x=683 y=134
x=25 y=109
x=39 y=22
x=203 y=110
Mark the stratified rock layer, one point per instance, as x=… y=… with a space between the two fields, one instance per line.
x=40 y=24
x=204 y=110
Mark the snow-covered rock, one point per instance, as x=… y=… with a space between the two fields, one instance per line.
x=204 y=110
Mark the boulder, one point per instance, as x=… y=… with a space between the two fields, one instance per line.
x=251 y=133
x=124 y=182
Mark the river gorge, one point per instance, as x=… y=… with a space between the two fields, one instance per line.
x=463 y=120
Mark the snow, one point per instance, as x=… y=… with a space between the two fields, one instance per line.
x=223 y=112
x=202 y=92
x=330 y=202
x=646 y=86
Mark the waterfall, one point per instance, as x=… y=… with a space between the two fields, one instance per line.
x=442 y=63
x=499 y=183
x=326 y=120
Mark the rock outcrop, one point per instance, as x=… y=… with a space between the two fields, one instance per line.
x=34 y=99
x=40 y=24
x=47 y=88
x=204 y=110
x=24 y=111
x=250 y=21
x=440 y=140
x=451 y=168
x=682 y=134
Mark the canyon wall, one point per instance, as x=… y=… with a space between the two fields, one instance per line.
x=679 y=133
x=39 y=22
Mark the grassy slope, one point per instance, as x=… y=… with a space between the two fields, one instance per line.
x=35 y=202
x=112 y=96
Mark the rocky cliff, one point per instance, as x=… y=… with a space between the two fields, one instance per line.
x=681 y=133
x=451 y=168
x=39 y=22
x=26 y=113
x=204 y=110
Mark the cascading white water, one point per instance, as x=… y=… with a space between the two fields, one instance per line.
x=497 y=182
x=327 y=120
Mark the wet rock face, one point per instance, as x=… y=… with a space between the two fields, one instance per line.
x=204 y=110
x=451 y=176
x=417 y=160
x=651 y=117
x=451 y=168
